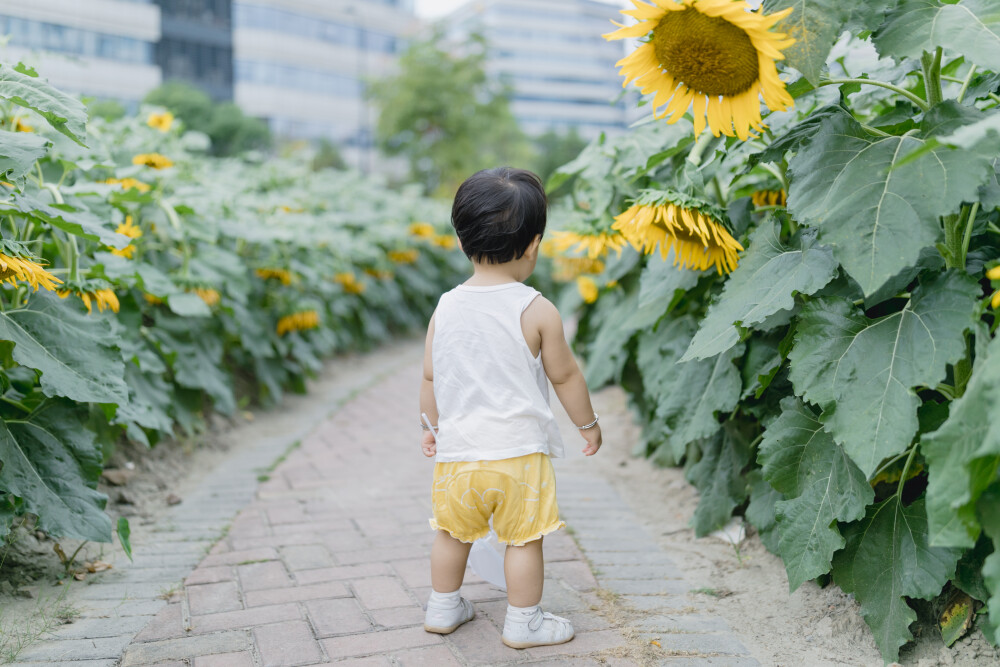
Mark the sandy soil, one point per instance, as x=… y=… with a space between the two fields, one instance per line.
x=813 y=626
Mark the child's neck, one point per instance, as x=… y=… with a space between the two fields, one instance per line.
x=497 y=274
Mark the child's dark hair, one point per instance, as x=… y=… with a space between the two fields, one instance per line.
x=497 y=214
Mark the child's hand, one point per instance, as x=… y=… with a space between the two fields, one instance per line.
x=428 y=444
x=593 y=437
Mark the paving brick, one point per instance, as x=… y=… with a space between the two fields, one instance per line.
x=305 y=557
x=211 y=598
x=337 y=617
x=75 y=649
x=242 y=659
x=435 y=656
x=397 y=617
x=380 y=642
x=581 y=644
x=150 y=653
x=638 y=572
x=210 y=575
x=375 y=555
x=165 y=625
x=330 y=589
x=381 y=592
x=701 y=642
x=670 y=603
x=343 y=572
x=482 y=592
x=646 y=587
x=683 y=623
x=75 y=663
x=478 y=642
x=261 y=576
x=414 y=572
x=244 y=618
x=237 y=557
x=91 y=628
x=575 y=573
x=287 y=644
x=573 y=662
x=710 y=661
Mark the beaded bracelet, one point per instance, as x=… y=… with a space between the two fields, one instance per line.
x=591 y=424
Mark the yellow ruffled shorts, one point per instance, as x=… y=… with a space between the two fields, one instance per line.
x=519 y=493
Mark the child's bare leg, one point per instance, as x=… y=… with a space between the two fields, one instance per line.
x=448 y=559
x=525 y=572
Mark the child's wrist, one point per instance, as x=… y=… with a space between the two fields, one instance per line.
x=591 y=424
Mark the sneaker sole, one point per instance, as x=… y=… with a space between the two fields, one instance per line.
x=513 y=644
x=447 y=631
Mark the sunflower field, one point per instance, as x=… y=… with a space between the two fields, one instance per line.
x=146 y=283
x=792 y=267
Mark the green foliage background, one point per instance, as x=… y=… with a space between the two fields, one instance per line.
x=838 y=389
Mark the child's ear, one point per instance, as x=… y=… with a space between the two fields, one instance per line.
x=533 y=248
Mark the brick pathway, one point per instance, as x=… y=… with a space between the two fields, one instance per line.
x=328 y=562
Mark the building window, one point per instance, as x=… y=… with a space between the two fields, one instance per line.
x=63 y=39
x=312 y=27
x=287 y=76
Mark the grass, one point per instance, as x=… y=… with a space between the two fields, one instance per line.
x=18 y=632
x=168 y=592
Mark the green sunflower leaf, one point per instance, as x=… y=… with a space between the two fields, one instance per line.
x=69 y=218
x=821 y=485
x=970 y=27
x=887 y=558
x=863 y=372
x=877 y=215
x=64 y=113
x=73 y=351
x=18 y=153
x=662 y=282
x=963 y=456
x=815 y=25
x=989 y=515
x=718 y=476
x=765 y=282
x=52 y=462
x=760 y=511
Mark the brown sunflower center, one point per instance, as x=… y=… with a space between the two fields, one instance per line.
x=709 y=54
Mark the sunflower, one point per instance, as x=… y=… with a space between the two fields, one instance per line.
x=152 y=299
x=379 y=274
x=404 y=256
x=130 y=230
x=21 y=126
x=587 y=288
x=692 y=228
x=160 y=121
x=769 y=198
x=300 y=321
x=446 y=241
x=422 y=230
x=207 y=294
x=713 y=54
x=994 y=274
x=597 y=244
x=17 y=263
x=91 y=292
x=568 y=268
x=349 y=282
x=129 y=184
x=154 y=160
x=281 y=275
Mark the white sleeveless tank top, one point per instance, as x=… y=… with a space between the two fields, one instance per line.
x=492 y=395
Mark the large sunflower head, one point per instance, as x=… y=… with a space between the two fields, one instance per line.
x=692 y=228
x=284 y=276
x=569 y=268
x=297 y=321
x=154 y=160
x=92 y=291
x=769 y=198
x=18 y=263
x=595 y=244
x=713 y=54
x=349 y=282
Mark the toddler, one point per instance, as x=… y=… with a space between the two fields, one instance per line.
x=490 y=345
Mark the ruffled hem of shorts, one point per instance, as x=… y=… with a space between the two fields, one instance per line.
x=542 y=533
x=436 y=526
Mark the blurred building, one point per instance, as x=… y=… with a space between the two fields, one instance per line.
x=302 y=64
x=196 y=44
x=102 y=48
x=551 y=51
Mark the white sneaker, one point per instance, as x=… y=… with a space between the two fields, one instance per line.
x=521 y=630
x=444 y=621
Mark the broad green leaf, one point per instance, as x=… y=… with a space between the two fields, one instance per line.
x=765 y=282
x=18 y=153
x=125 y=536
x=863 y=372
x=661 y=281
x=198 y=364
x=815 y=25
x=970 y=27
x=887 y=559
x=51 y=461
x=608 y=353
x=67 y=218
x=963 y=456
x=73 y=350
x=821 y=486
x=989 y=515
x=688 y=396
x=760 y=511
x=876 y=216
x=188 y=305
x=64 y=113
x=718 y=476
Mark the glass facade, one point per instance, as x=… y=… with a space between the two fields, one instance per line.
x=312 y=27
x=77 y=41
x=197 y=44
x=301 y=78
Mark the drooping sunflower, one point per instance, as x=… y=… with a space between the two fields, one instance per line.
x=994 y=275
x=21 y=126
x=349 y=282
x=422 y=230
x=587 y=287
x=154 y=160
x=595 y=244
x=207 y=294
x=92 y=292
x=713 y=54
x=18 y=263
x=379 y=274
x=769 y=197
x=408 y=256
x=129 y=229
x=298 y=321
x=160 y=121
x=693 y=229
x=129 y=184
x=446 y=241
x=275 y=273
x=568 y=268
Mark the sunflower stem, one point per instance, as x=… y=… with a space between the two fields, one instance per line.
x=969 y=221
x=718 y=191
x=965 y=84
x=882 y=84
x=931 y=65
x=906 y=470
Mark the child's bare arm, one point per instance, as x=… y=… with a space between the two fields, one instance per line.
x=564 y=373
x=427 y=403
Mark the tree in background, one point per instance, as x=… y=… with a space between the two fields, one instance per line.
x=554 y=150
x=230 y=130
x=446 y=116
